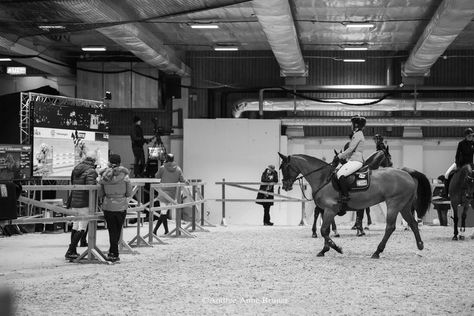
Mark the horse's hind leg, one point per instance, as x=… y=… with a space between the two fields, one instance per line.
x=455 y=219
x=463 y=221
x=317 y=210
x=389 y=228
x=410 y=219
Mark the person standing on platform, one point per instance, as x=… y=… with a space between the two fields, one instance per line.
x=268 y=175
x=114 y=191
x=83 y=173
x=138 y=141
x=169 y=172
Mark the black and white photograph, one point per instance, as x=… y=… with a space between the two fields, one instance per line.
x=236 y=157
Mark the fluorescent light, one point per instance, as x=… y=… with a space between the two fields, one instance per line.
x=16 y=70
x=355 y=48
x=226 y=48
x=354 y=60
x=94 y=49
x=360 y=25
x=52 y=27
x=204 y=26
x=5 y=59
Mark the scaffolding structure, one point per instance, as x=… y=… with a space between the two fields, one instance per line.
x=26 y=113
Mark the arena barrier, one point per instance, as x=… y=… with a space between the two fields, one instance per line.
x=244 y=186
x=93 y=253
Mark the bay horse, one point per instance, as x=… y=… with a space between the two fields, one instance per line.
x=380 y=158
x=461 y=193
x=396 y=187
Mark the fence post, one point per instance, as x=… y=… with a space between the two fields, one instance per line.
x=202 y=205
x=303 y=212
x=223 y=222
x=193 y=209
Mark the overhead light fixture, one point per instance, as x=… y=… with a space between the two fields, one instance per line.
x=52 y=27
x=359 y=25
x=226 y=48
x=354 y=60
x=16 y=70
x=355 y=48
x=94 y=49
x=5 y=59
x=204 y=26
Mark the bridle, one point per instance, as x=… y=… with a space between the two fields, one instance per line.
x=300 y=178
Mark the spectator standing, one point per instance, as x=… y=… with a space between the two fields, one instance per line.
x=114 y=191
x=138 y=141
x=268 y=175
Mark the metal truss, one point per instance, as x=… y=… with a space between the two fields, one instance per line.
x=26 y=115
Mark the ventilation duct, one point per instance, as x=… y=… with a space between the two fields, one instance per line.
x=384 y=105
x=373 y=121
x=277 y=22
x=133 y=37
x=449 y=20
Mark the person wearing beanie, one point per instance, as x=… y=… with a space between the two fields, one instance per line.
x=114 y=191
x=268 y=175
x=169 y=172
x=138 y=141
x=83 y=173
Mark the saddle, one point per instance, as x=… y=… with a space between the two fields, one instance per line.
x=358 y=181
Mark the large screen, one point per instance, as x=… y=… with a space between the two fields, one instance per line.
x=64 y=134
x=15 y=162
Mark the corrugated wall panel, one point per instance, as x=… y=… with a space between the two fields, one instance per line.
x=145 y=91
x=90 y=85
x=119 y=84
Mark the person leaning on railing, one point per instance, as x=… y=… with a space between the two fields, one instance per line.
x=114 y=191
x=83 y=174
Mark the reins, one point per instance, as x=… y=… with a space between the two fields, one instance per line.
x=300 y=180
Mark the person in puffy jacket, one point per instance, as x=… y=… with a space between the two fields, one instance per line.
x=114 y=191
x=83 y=173
x=170 y=172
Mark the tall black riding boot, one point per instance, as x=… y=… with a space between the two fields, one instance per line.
x=446 y=188
x=344 y=197
x=72 y=250
x=84 y=238
x=160 y=219
x=73 y=232
x=165 y=222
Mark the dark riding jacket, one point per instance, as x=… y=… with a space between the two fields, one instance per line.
x=83 y=173
x=464 y=153
x=137 y=137
x=380 y=146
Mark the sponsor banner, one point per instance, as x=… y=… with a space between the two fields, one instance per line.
x=58 y=133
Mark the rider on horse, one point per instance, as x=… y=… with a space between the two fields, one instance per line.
x=464 y=156
x=353 y=155
x=379 y=144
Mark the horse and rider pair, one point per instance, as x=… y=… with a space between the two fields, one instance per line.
x=401 y=189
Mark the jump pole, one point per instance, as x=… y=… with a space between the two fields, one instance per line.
x=223 y=222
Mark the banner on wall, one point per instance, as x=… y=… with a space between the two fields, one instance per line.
x=63 y=134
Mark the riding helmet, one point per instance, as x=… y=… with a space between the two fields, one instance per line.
x=468 y=131
x=378 y=138
x=358 y=121
x=169 y=158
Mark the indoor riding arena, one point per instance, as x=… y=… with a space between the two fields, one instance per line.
x=237 y=157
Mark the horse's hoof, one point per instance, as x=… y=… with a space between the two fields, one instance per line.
x=338 y=249
x=461 y=237
x=320 y=254
x=315 y=236
x=375 y=256
x=420 y=245
x=360 y=234
x=455 y=237
x=337 y=235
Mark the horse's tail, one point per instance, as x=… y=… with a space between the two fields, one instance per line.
x=423 y=192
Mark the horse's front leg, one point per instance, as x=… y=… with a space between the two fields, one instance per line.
x=325 y=229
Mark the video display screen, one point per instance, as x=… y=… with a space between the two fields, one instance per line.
x=62 y=135
x=15 y=162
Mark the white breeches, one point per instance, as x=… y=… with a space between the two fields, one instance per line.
x=348 y=168
x=453 y=166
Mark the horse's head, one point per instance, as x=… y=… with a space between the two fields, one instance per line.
x=288 y=171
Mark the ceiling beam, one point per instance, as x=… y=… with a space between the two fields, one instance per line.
x=49 y=65
x=451 y=17
x=277 y=23
x=373 y=121
x=136 y=38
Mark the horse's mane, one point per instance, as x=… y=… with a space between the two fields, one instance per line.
x=309 y=158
